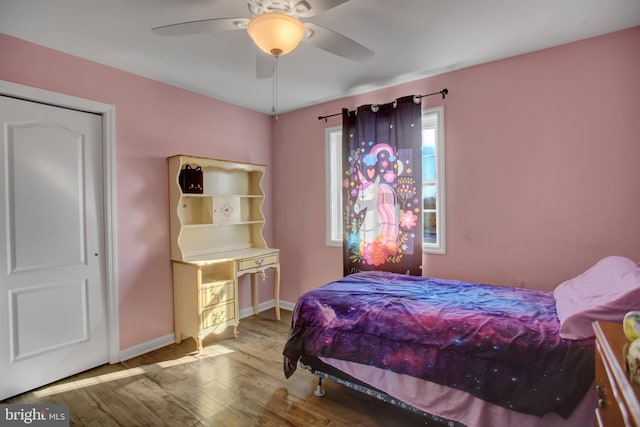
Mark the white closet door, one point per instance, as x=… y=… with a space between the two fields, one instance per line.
x=53 y=310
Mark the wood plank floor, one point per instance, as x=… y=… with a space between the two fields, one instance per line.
x=232 y=382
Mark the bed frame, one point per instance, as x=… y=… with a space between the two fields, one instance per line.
x=323 y=371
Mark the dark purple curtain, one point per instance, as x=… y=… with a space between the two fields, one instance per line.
x=382 y=162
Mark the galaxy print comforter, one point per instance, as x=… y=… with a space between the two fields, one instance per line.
x=500 y=344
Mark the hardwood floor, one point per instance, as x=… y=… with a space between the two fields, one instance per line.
x=232 y=382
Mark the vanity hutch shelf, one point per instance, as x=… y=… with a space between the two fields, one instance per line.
x=216 y=237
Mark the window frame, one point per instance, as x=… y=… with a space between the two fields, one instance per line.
x=333 y=182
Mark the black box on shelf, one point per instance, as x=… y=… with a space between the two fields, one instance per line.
x=191 y=179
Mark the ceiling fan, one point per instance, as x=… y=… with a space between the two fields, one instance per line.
x=277 y=26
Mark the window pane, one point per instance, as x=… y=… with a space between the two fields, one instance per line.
x=429 y=137
x=428 y=167
x=430 y=235
x=429 y=196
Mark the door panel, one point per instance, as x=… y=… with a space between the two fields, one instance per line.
x=36 y=328
x=45 y=183
x=53 y=310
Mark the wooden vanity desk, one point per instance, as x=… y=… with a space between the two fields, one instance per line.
x=216 y=237
x=617 y=396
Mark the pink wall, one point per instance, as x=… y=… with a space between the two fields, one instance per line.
x=153 y=121
x=542 y=175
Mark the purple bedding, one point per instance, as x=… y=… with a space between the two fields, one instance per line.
x=500 y=344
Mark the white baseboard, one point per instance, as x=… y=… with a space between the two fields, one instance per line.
x=146 y=347
x=287 y=305
x=246 y=312
x=154 y=344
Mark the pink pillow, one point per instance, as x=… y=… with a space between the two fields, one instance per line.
x=606 y=291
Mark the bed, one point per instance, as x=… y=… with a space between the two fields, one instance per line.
x=463 y=354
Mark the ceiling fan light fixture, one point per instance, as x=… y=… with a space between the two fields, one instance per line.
x=276 y=33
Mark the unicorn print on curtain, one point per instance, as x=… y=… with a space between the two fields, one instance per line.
x=382 y=162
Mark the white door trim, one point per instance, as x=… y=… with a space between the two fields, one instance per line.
x=109 y=184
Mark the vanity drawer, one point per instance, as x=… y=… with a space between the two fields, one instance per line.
x=217 y=293
x=262 y=261
x=218 y=314
x=607 y=409
x=617 y=395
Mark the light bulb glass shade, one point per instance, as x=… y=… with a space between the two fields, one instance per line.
x=276 y=33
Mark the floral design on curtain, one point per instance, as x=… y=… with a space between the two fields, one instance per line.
x=382 y=162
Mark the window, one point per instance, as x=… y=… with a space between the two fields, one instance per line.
x=333 y=163
x=432 y=182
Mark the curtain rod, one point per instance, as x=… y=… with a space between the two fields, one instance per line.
x=443 y=92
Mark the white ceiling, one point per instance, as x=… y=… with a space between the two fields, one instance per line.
x=412 y=39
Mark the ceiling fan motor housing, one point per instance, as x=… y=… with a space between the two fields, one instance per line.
x=290 y=7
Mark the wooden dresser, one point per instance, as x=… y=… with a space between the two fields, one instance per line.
x=216 y=237
x=617 y=396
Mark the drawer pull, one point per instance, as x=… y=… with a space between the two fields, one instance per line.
x=215 y=298
x=218 y=297
x=601 y=392
x=218 y=315
x=258 y=262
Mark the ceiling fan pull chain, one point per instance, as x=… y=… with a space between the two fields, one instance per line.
x=275 y=85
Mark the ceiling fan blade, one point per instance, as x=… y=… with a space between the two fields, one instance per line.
x=201 y=26
x=306 y=9
x=336 y=43
x=265 y=65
